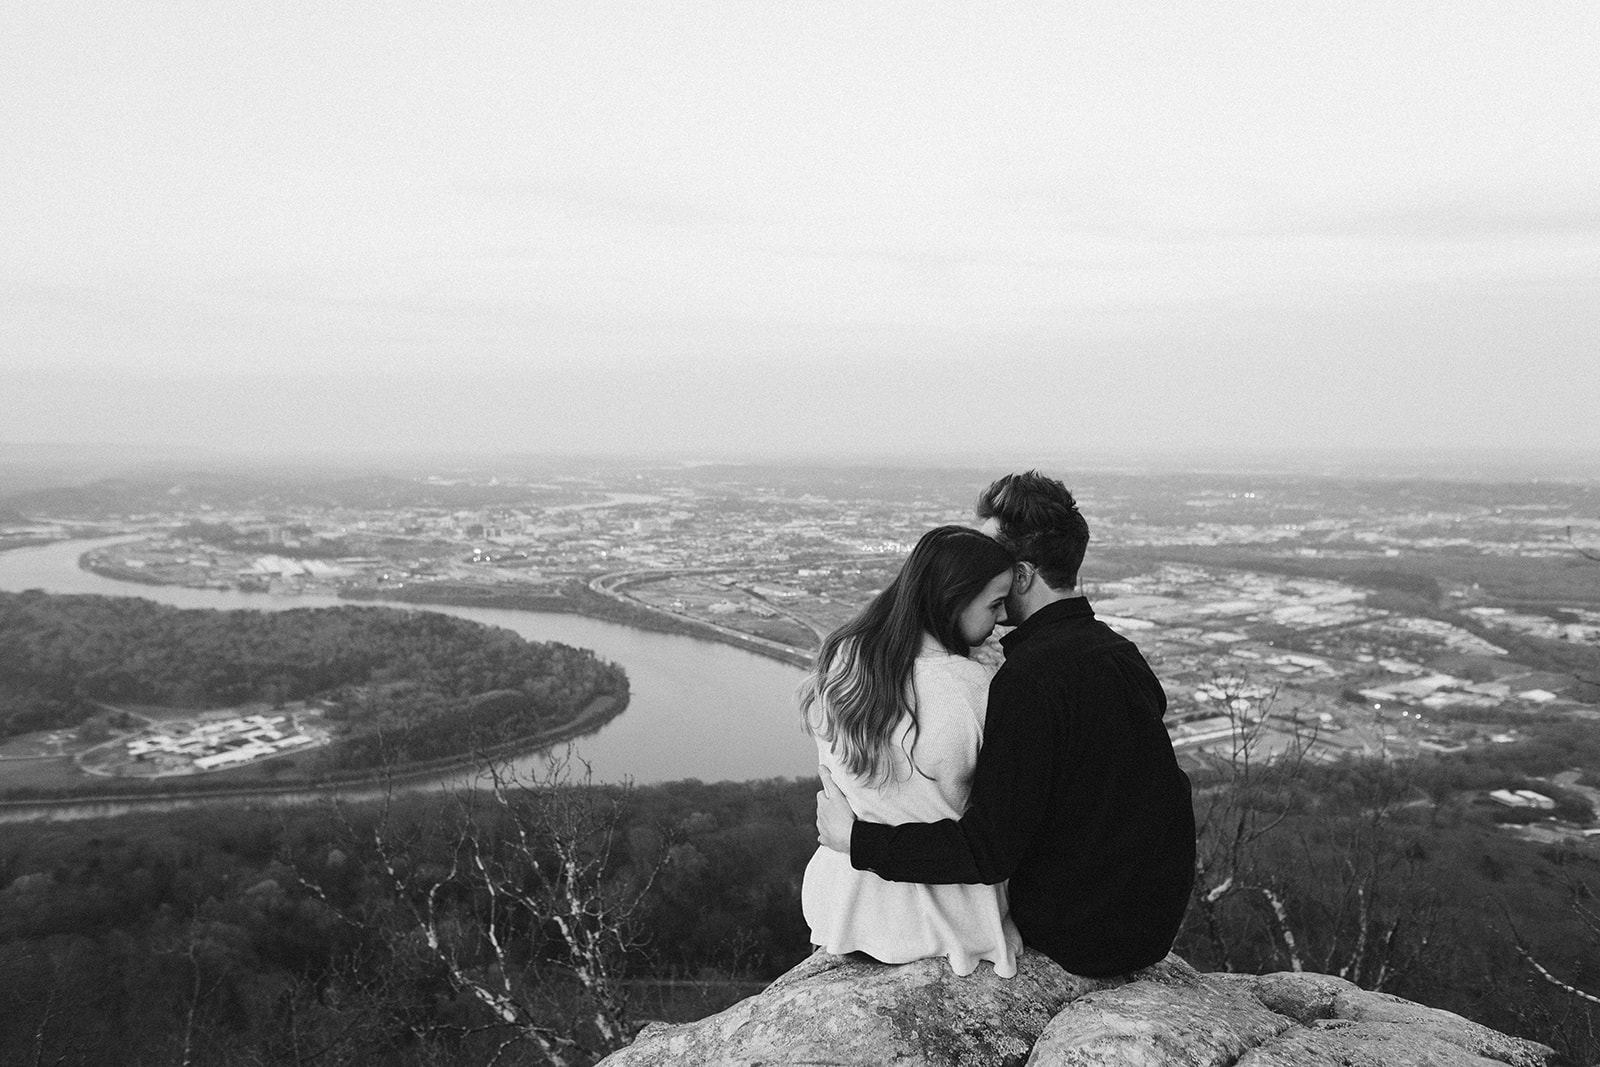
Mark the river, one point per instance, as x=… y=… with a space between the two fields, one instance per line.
x=698 y=709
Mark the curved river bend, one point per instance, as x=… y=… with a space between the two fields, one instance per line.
x=698 y=709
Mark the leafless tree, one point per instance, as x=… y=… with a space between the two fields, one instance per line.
x=1574 y=1012
x=1586 y=553
x=519 y=898
x=1242 y=803
x=42 y=993
x=1578 y=896
x=1271 y=885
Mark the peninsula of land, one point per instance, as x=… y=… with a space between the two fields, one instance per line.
x=121 y=695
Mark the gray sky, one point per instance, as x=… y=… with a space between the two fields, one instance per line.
x=836 y=227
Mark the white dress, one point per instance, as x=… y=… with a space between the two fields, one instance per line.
x=896 y=922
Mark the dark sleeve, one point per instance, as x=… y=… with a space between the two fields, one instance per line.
x=1010 y=791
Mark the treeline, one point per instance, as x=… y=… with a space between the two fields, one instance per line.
x=263 y=936
x=404 y=686
x=248 y=935
x=188 y=490
x=1403 y=876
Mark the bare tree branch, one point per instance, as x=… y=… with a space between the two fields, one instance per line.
x=517 y=900
x=1544 y=973
x=1584 y=552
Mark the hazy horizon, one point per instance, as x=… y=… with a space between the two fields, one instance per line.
x=46 y=464
x=907 y=230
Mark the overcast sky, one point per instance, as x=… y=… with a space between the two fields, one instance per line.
x=842 y=228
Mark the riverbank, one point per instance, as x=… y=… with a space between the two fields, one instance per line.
x=574 y=597
x=577 y=598
x=226 y=786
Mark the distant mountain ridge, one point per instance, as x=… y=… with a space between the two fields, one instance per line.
x=149 y=493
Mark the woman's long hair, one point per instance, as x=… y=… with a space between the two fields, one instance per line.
x=861 y=684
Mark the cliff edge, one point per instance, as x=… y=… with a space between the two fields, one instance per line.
x=843 y=1011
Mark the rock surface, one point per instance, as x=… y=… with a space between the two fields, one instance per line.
x=842 y=1011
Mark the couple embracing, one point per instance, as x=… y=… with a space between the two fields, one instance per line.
x=963 y=814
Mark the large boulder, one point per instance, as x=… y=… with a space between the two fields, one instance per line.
x=845 y=1011
x=1178 y=1016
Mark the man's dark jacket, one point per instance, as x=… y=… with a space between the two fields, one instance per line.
x=1077 y=799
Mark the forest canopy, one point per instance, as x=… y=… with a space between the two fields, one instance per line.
x=121 y=939
x=423 y=683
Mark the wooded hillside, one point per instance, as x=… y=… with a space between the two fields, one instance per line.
x=429 y=684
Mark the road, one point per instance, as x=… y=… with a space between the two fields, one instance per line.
x=610 y=585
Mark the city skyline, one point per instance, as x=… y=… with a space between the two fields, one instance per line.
x=832 y=230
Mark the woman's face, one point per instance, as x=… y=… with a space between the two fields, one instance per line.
x=977 y=620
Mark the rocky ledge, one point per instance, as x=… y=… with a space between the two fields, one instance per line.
x=842 y=1011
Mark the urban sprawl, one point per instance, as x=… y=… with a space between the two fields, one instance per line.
x=1288 y=659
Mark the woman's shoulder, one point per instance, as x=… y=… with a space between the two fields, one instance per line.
x=947 y=672
x=935 y=657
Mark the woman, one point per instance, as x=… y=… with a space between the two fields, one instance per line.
x=896 y=708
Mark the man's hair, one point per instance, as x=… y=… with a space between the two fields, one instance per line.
x=1040 y=523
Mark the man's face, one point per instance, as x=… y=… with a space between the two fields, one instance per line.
x=1014 y=613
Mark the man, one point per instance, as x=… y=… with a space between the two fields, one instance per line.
x=1077 y=797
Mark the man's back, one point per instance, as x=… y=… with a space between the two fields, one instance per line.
x=1103 y=885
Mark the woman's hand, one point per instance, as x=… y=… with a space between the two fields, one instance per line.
x=835 y=820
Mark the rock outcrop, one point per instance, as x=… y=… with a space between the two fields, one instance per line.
x=843 y=1012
